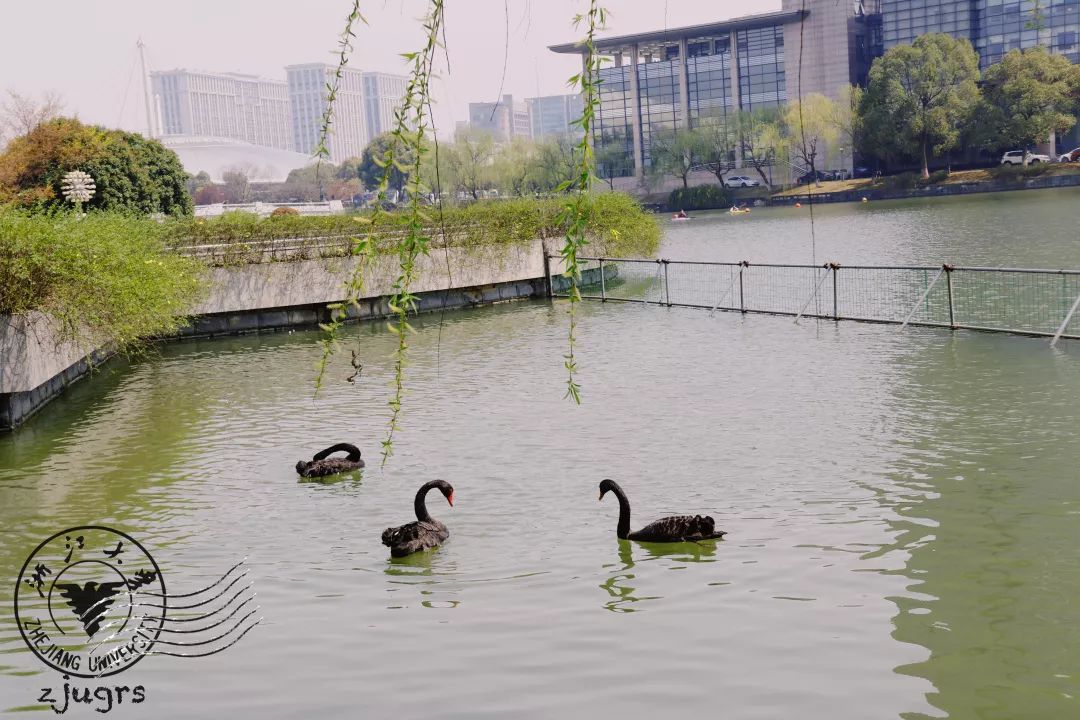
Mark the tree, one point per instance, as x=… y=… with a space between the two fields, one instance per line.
x=675 y=153
x=810 y=129
x=1028 y=96
x=20 y=114
x=717 y=139
x=759 y=138
x=554 y=163
x=844 y=115
x=349 y=169
x=918 y=97
x=373 y=165
x=470 y=160
x=510 y=168
x=132 y=174
x=614 y=158
x=237 y=187
x=197 y=182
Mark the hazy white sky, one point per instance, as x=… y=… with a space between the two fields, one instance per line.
x=85 y=50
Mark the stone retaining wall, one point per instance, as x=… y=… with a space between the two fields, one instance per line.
x=35 y=366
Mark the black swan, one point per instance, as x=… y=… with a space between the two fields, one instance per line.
x=321 y=465
x=677 y=528
x=426 y=532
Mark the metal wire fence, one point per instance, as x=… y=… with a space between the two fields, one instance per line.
x=1010 y=300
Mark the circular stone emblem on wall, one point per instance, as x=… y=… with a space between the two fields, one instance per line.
x=90 y=601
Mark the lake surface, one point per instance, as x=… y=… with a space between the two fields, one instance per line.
x=903 y=507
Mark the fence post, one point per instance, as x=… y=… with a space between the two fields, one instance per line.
x=742 y=302
x=547 y=274
x=835 y=312
x=667 y=288
x=948 y=283
x=603 y=286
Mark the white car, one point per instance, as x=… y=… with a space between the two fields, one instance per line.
x=1019 y=157
x=1071 y=156
x=741 y=181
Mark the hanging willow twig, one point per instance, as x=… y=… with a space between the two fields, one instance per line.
x=362 y=246
x=415 y=242
x=405 y=154
x=576 y=213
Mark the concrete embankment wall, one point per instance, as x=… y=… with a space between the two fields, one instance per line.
x=36 y=366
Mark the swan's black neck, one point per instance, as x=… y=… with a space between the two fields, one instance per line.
x=623 y=530
x=354 y=453
x=419 y=505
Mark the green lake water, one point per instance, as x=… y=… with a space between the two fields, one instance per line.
x=903 y=507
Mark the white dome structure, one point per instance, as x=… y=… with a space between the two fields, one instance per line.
x=216 y=155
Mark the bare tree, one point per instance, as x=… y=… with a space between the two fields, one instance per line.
x=20 y=114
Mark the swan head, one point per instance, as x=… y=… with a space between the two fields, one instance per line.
x=605 y=486
x=446 y=489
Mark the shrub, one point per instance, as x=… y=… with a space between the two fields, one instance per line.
x=132 y=174
x=936 y=177
x=618 y=226
x=105 y=278
x=699 y=197
x=901 y=181
x=1019 y=172
x=278 y=212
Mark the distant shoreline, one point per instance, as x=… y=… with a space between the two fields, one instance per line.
x=937 y=190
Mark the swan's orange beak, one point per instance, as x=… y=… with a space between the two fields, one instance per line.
x=450 y=499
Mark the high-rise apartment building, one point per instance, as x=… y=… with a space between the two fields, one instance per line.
x=383 y=96
x=993 y=27
x=554 y=115
x=504 y=119
x=308 y=100
x=224 y=105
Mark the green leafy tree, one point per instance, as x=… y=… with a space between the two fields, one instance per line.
x=132 y=174
x=717 y=138
x=470 y=160
x=918 y=98
x=614 y=158
x=512 y=166
x=759 y=138
x=349 y=169
x=554 y=163
x=373 y=165
x=810 y=129
x=844 y=116
x=1028 y=96
x=197 y=182
x=675 y=153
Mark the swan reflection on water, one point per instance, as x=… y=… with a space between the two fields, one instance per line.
x=416 y=571
x=620 y=586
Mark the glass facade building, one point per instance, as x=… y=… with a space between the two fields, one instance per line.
x=659 y=83
x=994 y=27
x=666 y=80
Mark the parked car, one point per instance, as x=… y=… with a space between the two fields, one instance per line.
x=840 y=174
x=863 y=172
x=809 y=177
x=1071 y=156
x=1020 y=157
x=740 y=181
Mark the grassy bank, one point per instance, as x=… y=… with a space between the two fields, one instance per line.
x=618 y=227
x=104 y=278
x=907 y=181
